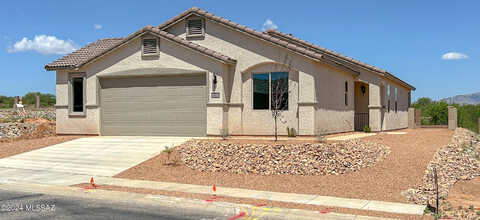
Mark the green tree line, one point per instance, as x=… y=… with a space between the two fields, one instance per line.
x=436 y=113
x=29 y=99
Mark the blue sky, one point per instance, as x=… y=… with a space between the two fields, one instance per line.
x=408 y=38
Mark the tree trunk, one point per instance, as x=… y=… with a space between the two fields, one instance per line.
x=275 y=128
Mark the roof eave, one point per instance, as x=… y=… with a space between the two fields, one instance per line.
x=54 y=68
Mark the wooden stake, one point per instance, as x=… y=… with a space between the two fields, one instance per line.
x=436 y=187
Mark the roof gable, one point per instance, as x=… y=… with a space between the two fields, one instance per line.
x=101 y=47
x=84 y=54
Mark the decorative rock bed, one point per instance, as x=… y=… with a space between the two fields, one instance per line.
x=12 y=125
x=274 y=159
x=12 y=130
x=459 y=160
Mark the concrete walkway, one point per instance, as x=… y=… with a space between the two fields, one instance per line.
x=350 y=136
x=224 y=210
x=399 y=208
x=70 y=162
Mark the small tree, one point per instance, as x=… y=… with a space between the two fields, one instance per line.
x=279 y=97
x=279 y=100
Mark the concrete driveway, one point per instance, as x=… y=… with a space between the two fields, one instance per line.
x=76 y=161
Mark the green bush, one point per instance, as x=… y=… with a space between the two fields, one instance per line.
x=6 y=102
x=30 y=99
x=468 y=116
x=436 y=113
x=367 y=129
x=45 y=99
x=291 y=132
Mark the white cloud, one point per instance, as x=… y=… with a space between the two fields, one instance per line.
x=454 y=56
x=269 y=25
x=97 y=26
x=44 y=44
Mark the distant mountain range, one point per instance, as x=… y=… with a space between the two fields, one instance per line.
x=473 y=99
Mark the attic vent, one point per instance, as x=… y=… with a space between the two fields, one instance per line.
x=149 y=47
x=195 y=27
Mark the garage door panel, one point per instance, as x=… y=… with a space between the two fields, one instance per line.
x=154 y=130
x=157 y=116
x=173 y=105
x=166 y=81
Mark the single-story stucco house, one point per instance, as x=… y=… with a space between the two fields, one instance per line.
x=198 y=74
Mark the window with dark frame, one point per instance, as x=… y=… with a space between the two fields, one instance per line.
x=261 y=91
x=346 y=93
x=77 y=94
x=396 y=100
x=270 y=91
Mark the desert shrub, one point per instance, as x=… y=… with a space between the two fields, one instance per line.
x=367 y=129
x=223 y=133
x=321 y=135
x=6 y=102
x=291 y=132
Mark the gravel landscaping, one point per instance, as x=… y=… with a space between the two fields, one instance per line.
x=12 y=125
x=458 y=160
x=401 y=169
x=294 y=159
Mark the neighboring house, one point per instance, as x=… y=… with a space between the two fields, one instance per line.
x=199 y=74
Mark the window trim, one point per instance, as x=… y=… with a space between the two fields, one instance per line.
x=270 y=90
x=71 y=76
x=187 y=29
x=156 y=44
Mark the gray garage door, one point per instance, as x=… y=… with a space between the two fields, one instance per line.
x=159 y=106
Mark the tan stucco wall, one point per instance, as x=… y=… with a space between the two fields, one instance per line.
x=396 y=120
x=129 y=57
x=316 y=99
x=332 y=114
x=314 y=85
x=66 y=124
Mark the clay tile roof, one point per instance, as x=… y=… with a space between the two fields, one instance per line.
x=318 y=49
x=83 y=54
x=264 y=36
x=101 y=47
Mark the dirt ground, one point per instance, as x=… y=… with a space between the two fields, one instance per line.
x=254 y=202
x=465 y=193
x=43 y=136
x=403 y=168
x=17 y=146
